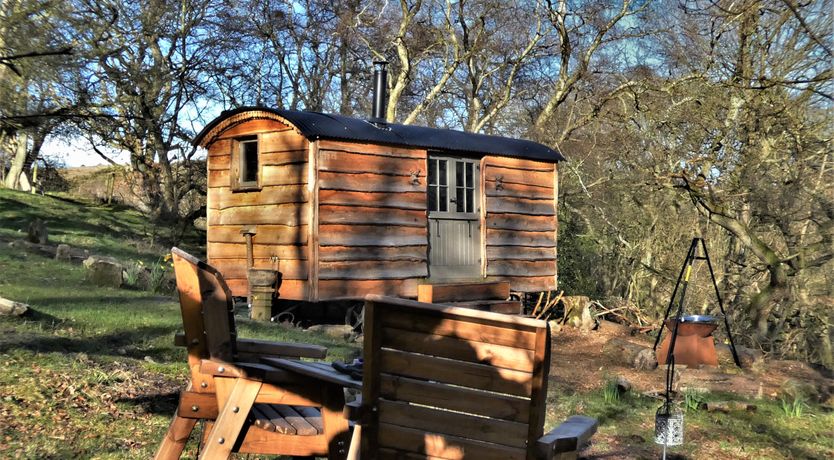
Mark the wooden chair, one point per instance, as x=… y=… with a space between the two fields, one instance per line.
x=445 y=382
x=248 y=406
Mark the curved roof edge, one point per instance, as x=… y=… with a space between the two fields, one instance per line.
x=314 y=125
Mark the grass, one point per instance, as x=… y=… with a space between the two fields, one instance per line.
x=92 y=372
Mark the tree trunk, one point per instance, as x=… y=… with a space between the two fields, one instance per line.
x=18 y=161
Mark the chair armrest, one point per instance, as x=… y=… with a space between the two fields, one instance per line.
x=568 y=437
x=266 y=347
x=252 y=371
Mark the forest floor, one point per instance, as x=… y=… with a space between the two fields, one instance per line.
x=92 y=372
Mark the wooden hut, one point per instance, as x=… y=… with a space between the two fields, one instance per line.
x=344 y=207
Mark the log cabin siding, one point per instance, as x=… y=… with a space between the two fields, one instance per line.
x=520 y=222
x=372 y=224
x=278 y=210
x=342 y=219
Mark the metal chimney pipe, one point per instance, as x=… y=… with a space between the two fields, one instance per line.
x=380 y=92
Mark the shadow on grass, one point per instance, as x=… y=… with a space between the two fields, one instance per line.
x=158 y=404
x=102 y=345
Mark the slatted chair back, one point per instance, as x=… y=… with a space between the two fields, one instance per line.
x=207 y=309
x=448 y=382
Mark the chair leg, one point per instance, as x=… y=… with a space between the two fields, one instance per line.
x=336 y=427
x=231 y=419
x=355 y=439
x=174 y=442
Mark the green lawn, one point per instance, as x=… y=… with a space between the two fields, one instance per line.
x=91 y=372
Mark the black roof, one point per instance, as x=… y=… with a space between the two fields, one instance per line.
x=314 y=125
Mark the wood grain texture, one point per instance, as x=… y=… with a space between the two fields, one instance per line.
x=493 y=188
x=497 y=237
x=236 y=268
x=219 y=147
x=282 y=214
x=529 y=283
x=372 y=270
x=444 y=446
x=521 y=222
x=330 y=214
x=456 y=292
x=518 y=163
x=218 y=161
x=462 y=330
x=376 y=149
x=512 y=205
x=252 y=127
x=498 y=253
x=521 y=267
x=290 y=289
x=377 y=164
x=372 y=235
x=502 y=432
x=264 y=234
x=358 y=289
x=282 y=141
x=456 y=372
x=460 y=350
x=275 y=252
x=542 y=179
x=373 y=253
x=282 y=158
x=455 y=398
x=405 y=200
x=369 y=182
x=283 y=175
x=223 y=197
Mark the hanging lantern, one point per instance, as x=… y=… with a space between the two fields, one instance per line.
x=668 y=425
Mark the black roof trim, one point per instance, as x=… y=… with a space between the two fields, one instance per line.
x=314 y=125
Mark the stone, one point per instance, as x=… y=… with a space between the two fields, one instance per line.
x=623 y=385
x=104 y=271
x=645 y=360
x=339 y=331
x=632 y=354
x=578 y=312
x=12 y=308
x=200 y=223
x=63 y=252
x=37 y=232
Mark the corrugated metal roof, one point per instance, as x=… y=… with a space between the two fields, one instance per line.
x=314 y=125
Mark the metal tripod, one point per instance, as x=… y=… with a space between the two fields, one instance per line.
x=682 y=284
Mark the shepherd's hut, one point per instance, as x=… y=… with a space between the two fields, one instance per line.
x=344 y=207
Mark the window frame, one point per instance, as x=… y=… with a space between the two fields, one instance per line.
x=452 y=186
x=238 y=165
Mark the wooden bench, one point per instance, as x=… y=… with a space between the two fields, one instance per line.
x=248 y=406
x=455 y=383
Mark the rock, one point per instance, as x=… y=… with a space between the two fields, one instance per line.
x=623 y=385
x=632 y=354
x=748 y=356
x=578 y=312
x=611 y=327
x=645 y=360
x=12 y=308
x=555 y=327
x=63 y=252
x=200 y=223
x=339 y=331
x=37 y=232
x=104 y=271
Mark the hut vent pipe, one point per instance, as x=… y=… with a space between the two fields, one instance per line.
x=380 y=92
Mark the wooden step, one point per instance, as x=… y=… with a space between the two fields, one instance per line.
x=463 y=292
x=508 y=307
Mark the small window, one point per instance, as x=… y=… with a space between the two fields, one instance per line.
x=245 y=164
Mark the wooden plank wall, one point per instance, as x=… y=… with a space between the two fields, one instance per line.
x=278 y=212
x=373 y=235
x=520 y=222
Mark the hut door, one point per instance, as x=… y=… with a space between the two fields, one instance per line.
x=454 y=218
